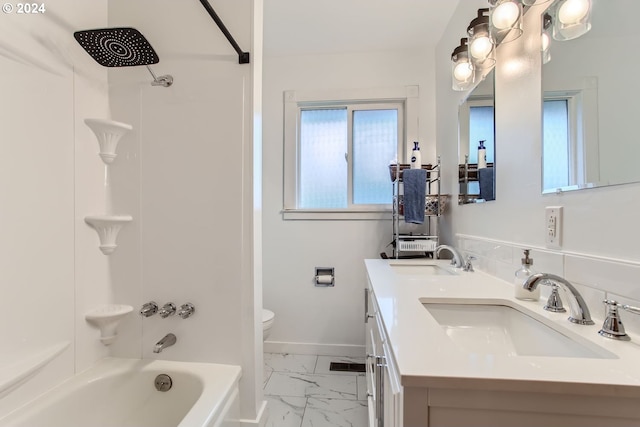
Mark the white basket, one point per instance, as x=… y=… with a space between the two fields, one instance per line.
x=417 y=245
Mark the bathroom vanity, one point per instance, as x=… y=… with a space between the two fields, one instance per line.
x=452 y=348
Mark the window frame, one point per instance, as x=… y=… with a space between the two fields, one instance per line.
x=296 y=101
x=582 y=98
x=576 y=140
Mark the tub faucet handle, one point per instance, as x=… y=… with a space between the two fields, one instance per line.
x=169 y=309
x=149 y=309
x=186 y=310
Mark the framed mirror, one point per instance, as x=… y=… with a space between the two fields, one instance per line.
x=589 y=95
x=476 y=144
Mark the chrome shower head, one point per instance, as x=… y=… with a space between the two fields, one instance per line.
x=121 y=47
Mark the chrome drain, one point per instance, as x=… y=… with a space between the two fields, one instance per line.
x=163 y=382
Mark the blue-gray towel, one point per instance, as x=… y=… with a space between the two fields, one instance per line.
x=415 y=183
x=486 y=179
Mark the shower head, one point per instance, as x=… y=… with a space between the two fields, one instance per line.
x=121 y=47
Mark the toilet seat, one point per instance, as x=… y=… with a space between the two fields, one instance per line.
x=267 y=317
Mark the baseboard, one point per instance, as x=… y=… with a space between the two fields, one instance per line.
x=261 y=418
x=312 y=348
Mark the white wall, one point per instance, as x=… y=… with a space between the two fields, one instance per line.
x=597 y=221
x=191 y=172
x=52 y=270
x=310 y=319
x=599 y=242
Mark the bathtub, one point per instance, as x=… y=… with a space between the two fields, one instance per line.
x=122 y=393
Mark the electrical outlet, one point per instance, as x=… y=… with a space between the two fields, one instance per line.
x=553 y=226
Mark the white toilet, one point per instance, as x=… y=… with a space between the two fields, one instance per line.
x=267 y=322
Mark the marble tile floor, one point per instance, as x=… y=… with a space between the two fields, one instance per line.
x=301 y=391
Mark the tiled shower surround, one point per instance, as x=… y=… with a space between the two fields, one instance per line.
x=596 y=278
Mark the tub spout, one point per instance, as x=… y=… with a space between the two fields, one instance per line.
x=167 y=341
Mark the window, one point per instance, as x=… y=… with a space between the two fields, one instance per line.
x=556 y=148
x=564 y=142
x=476 y=123
x=337 y=154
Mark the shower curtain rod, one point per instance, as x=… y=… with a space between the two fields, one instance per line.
x=243 y=57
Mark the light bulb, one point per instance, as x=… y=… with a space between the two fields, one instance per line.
x=545 y=40
x=462 y=71
x=505 y=15
x=481 y=47
x=573 y=11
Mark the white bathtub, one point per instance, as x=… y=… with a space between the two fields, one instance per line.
x=121 y=393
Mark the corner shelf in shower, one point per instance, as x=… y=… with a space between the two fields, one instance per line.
x=108 y=227
x=108 y=133
x=106 y=318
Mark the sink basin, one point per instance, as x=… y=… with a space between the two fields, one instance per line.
x=500 y=329
x=405 y=268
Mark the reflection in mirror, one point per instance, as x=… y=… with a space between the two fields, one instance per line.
x=476 y=144
x=589 y=89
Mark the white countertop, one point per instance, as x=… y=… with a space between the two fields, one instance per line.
x=426 y=357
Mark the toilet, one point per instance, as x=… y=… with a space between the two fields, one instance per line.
x=267 y=322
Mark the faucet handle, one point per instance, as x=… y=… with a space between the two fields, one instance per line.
x=186 y=310
x=631 y=309
x=468 y=266
x=612 y=326
x=554 y=303
x=149 y=309
x=169 y=309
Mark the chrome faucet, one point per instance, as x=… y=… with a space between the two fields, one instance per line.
x=579 y=310
x=457 y=257
x=612 y=326
x=467 y=265
x=167 y=341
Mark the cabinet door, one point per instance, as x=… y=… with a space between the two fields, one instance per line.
x=374 y=349
x=391 y=392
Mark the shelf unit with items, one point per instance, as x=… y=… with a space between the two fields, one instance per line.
x=422 y=243
x=469 y=182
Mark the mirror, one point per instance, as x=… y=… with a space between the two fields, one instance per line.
x=590 y=90
x=476 y=124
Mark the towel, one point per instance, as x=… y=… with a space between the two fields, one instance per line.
x=415 y=184
x=485 y=178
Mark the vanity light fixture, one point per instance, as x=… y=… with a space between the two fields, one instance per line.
x=505 y=17
x=481 y=44
x=571 y=19
x=534 y=2
x=462 y=70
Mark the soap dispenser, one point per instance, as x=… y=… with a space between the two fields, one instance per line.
x=416 y=162
x=522 y=274
x=482 y=155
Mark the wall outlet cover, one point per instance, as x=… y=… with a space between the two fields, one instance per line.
x=553 y=227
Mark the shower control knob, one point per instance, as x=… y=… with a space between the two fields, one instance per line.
x=149 y=309
x=169 y=309
x=186 y=310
